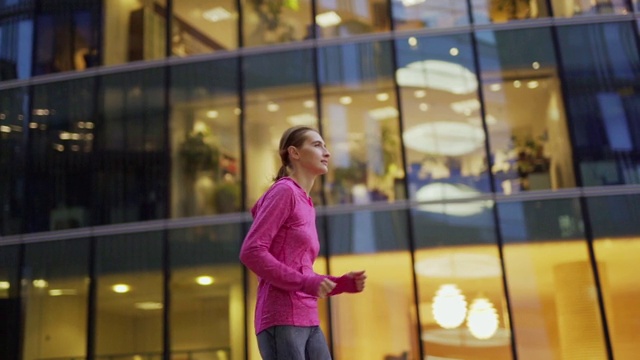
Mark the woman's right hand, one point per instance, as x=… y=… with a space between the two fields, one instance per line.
x=326 y=286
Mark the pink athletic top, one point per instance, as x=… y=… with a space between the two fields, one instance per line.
x=280 y=248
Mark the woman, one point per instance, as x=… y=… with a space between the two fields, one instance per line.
x=281 y=247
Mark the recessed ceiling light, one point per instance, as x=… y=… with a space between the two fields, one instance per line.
x=4 y=285
x=149 y=305
x=205 y=280
x=533 y=84
x=412 y=41
x=345 y=100
x=382 y=97
x=40 y=283
x=419 y=94
x=535 y=65
x=216 y=14
x=309 y=104
x=121 y=288
x=329 y=18
x=272 y=107
x=61 y=292
x=212 y=114
x=495 y=87
x=454 y=51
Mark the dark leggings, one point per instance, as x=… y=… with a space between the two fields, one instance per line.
x=293 y=343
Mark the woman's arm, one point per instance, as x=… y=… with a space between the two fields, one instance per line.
x=271 y=215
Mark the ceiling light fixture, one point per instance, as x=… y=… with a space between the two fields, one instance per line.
x=449 y=306
x=216 y=14
x=5 y=285
x=483 y=319
x=444 y=137
x=121 y=288
x=438 y=75
x=205 y=280
x=329 y=18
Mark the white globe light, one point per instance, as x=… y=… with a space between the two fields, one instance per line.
x=449 y=306
x=483 y=319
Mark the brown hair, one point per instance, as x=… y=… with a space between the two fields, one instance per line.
x=294 y=136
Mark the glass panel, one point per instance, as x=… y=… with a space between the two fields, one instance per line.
x=134 y=30
x=418 y=14
x=129 y=303
x=10 y=302
x=351 y=17
x=462 y=304
x=207 y=293
x=276 y=98
x=205 y=139
x=524 y=111
x=380 y=322
x=272 y=22
x=616 y=234
x=16 y=39
x=66 y=36
x=554 y=305
x=601 y=68
x=200 y=27
x=564 y=8
x=13 y=107
x=133 y=172
x=61 y=150
x=360 y=121
x=498 y=11
x=55 y=293
x=443 y=134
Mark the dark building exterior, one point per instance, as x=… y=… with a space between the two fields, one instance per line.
x=485 y=171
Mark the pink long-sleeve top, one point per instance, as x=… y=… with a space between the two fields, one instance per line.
x=280 y=248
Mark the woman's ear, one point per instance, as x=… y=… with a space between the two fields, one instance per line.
x=293 y=152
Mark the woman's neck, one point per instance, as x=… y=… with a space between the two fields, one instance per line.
x=305 y=181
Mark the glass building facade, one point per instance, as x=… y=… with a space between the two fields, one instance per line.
x=485 y=172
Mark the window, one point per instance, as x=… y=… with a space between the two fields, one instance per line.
x=497 y=11
x=205 y=139
x=55 y=293
x=131 y=147
x=600 y=64
x=418 y=14
x=16 y=39
x=524 y=113
x=554 y=306
x=351 y=17
x=360 y=124
x=207 y=314
x=134 y=30
x=66 y=36
x=272 y=22
x=203 y=26
x=60 y=174
x=129 y=296
x=443 y=135
x=276 y=97
x=13 y=108
x=617 y=246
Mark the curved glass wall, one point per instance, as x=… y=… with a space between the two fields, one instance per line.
x=124 y=190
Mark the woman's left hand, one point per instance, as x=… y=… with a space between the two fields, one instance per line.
x=359 y=277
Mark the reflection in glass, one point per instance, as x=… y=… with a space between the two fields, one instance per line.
x=55 y=292
x=62 y=134
x=379 y=322
x=134 y=30
x=524 y=112
x=443 y=135
x=205 y=139
x=207 y=293
x=16 y=40
x=9 y=302
x=351 y=17
x=276 y=98
x=13 y=107
x=131 y=144
x=418 y=14
x=66 y=36
x=600 y=62
x=202 y=27
x=129 y=293
x=360 y=121
x=564 y=8
x=554 y=308
x=497 y=11
x=271 y=22
x=616 y=233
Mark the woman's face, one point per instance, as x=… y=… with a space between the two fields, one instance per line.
x=313 y=155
